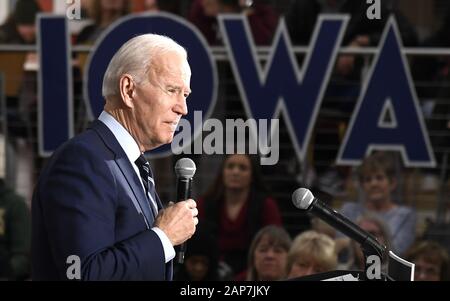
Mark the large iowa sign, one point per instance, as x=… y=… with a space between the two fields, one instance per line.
x=280 y=87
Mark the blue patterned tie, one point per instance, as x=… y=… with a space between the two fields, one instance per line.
x=149 y=184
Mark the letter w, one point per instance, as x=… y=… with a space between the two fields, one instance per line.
x=281 y=87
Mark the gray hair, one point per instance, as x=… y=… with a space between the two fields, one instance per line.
x=380 y=223
x=315 y=246
x=135 y=58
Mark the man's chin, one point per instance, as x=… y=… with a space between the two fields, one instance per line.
x=167 y=140
x=170 y=139
x=162 y=141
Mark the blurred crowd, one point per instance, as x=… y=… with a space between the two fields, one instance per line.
x=242 y=233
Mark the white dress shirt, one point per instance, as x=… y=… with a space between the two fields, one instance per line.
x=132 y=151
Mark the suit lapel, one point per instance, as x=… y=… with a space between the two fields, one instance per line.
x=135 y=184
x=127 y=170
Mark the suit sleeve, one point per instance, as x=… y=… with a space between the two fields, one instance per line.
x=79 y=200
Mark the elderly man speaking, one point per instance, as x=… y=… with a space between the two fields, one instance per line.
x=95 y=200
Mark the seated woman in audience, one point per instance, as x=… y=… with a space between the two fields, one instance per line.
x=267 y=255
x=236 y=207
x=431 y=260
x=311 y=253
x=377 y=176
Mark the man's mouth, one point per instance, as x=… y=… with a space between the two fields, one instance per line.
x=173 y=125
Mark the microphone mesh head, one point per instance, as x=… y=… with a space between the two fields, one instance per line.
x=185 y=168
x=302 y=198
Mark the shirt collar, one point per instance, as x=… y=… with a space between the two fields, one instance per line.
x=124 y=138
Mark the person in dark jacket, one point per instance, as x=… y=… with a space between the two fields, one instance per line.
x=15 y=235
x=20 y=27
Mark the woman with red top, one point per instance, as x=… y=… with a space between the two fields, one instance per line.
x=236 y=207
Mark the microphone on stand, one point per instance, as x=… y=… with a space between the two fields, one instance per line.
x=185 y=170
x=303 y=199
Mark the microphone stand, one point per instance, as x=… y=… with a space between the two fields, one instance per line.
x=371 y=247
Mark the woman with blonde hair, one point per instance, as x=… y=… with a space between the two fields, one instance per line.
x=311 y=253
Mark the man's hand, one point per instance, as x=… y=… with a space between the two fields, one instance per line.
x=178 y=221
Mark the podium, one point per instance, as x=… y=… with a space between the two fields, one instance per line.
x=341 y=275
x=399 y=270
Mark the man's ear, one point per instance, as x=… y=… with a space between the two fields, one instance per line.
x=127 y=90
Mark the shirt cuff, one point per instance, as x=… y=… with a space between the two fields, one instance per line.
x=169 y=251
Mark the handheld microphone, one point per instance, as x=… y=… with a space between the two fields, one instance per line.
x=184 y=169
x=303 y=199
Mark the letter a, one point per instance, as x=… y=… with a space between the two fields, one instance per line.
x=374 y=269
x=74 y=270
x=374 y=10
x=73 y=9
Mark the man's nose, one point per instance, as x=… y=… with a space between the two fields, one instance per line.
x=181 y=106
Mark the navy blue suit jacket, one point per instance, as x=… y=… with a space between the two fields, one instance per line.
x=88 y=203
